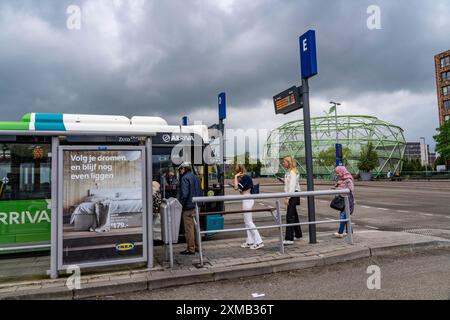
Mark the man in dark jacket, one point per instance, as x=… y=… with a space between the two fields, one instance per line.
x=189 y=187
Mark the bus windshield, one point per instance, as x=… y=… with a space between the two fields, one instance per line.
x=24 y=171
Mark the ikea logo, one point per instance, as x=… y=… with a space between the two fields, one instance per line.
x=124 y=246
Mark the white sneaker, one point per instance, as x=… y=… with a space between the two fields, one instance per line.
x=299 y=239
x=246 y=245
x=338 y=235
x=288 y=242
x=257 y=246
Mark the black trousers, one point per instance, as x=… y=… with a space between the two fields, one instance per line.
x=292 y=217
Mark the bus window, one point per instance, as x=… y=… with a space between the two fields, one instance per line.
x=165 y=172
x=24 y=171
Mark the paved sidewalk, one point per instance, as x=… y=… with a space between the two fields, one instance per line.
x=225 y=259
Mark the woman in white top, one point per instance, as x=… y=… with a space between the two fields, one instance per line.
x=291 y=184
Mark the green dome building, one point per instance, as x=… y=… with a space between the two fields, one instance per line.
x=354 y=132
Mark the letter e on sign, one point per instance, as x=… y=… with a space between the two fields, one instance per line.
x=308 y=58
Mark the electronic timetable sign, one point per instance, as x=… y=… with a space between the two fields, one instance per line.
x=287 y=101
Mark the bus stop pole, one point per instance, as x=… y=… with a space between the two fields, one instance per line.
x=308 y=157
x=222 y=163
x=54 y=209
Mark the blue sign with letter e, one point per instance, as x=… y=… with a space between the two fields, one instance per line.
x=222 y=106
x=308 y=58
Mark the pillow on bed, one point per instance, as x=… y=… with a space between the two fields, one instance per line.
x=104 y=193
x=130 y=195
x=95 y=199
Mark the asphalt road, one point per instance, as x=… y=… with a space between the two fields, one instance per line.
x=423 y=275
x=418 y=207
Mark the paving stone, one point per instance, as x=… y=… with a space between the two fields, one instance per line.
x=102 y=278
x=29 y=287
x=8 y=289
x=55 y=283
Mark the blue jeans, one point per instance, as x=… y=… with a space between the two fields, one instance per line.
x=342 y=225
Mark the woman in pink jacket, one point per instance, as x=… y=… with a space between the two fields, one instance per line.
x=345 y=181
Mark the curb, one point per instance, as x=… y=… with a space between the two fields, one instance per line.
x=184 y=277
x=390 y=250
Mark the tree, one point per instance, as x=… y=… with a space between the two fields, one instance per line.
x=412 y=165
x=443 y=141
x=327 y=157
x=368 y=158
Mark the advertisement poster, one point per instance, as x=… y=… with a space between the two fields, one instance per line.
x=102 y=205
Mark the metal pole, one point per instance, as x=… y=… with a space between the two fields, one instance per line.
x=164 y=235
x=280 y=224
x=336 y=123
x=349 y=222
x=426 y=156
x=150 y=237
x=169 y=227
x=335 y=104
x=199 y=236
x=54 y=205
x=222 y=163
x=308 y=157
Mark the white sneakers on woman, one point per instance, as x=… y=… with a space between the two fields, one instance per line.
x=340 y=235
x=288 y=242
x=252 y=246
x=257 y=246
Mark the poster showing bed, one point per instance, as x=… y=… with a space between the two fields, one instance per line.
x=102 y=204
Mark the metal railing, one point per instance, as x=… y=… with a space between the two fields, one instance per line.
x=166 y=230
x=279 y=224
x=25 y=247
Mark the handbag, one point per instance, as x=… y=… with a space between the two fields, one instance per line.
x=338 y=203
x=255 y=189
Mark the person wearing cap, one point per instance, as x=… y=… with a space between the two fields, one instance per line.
x=189 y=187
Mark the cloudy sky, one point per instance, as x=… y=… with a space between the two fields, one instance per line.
x=172 y=58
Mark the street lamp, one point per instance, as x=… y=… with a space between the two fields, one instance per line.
x=333 y=108
x=426 y=155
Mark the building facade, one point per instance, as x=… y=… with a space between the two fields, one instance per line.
x=432 y=158
x=442 y=65
x=418 y=151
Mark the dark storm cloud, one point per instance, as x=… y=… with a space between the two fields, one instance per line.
x=171 y=58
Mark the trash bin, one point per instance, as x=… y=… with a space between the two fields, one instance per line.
x=173 y=207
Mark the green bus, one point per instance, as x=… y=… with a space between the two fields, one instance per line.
x=26 y=166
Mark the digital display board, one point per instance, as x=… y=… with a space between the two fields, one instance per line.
x=287 y=101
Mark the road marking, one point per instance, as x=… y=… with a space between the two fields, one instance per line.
x=366 y=207
x=372 y=227
x=427 y=214
x=383 y=209
x=403 y=211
